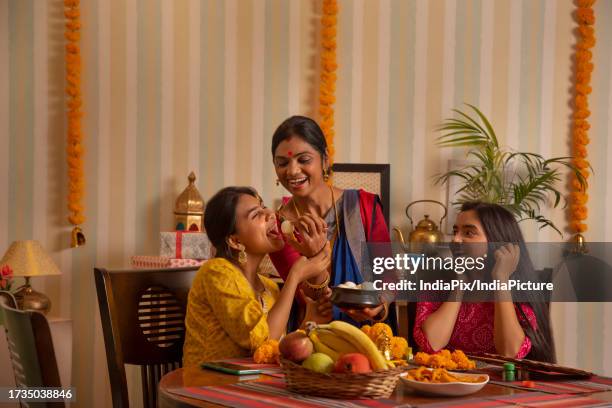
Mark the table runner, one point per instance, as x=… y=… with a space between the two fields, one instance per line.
x=272 y=393
x=559 y=386
x=527 y=400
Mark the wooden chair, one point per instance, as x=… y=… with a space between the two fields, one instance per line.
x=30 y=348
x=374 y=178
x=143 y=321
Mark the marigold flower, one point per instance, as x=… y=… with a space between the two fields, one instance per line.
x=73 y=25
x=72 y=48
x=378 y=329
x=330 y=7
x=72 y=14
x=582 y=113
x=329 y=44
x=581 y=163
x=329 y=32
x=399 y=347
x=585 y=15
x=267 y=353
x=578 y=226
x=579 y=198
x=78 y=218
x=329 y=20
x=586 y=31
x=583 y=77
x=580 y=151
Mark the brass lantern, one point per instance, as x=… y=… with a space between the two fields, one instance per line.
x=189 y=208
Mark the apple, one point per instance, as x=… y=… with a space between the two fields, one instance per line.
x=319 y=362
x=296 y=346
x=353 y=363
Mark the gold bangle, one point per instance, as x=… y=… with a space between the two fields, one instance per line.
x=318 y=286
x=385 y=314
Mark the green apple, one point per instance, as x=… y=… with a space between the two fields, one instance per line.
x=319 y=362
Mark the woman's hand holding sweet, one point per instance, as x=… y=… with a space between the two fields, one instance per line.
x=312 y=235
x=506 y=261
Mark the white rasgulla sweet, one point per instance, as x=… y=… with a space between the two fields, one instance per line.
x=287 y=227
x=367 y=286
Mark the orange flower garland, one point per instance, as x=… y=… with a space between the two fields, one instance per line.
x=74 y=148
x=327 y=98
x=585 y=16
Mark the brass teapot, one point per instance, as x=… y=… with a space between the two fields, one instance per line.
x=425 y=232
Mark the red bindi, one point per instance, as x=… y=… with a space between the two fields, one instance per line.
x=290 y=154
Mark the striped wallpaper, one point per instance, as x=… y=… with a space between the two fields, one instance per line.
x=174 y=86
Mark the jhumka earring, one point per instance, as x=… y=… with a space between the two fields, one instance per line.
x=242 y=256
x=325 y=175
x=277 y=182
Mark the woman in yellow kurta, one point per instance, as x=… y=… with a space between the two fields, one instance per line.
x=232 y=309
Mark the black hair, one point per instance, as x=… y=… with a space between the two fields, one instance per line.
x=220 y=218
x=500 y=226
x=304 y=128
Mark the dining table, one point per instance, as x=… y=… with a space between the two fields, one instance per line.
x=196 y=387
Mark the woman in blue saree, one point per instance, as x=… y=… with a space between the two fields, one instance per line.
x=322 y=213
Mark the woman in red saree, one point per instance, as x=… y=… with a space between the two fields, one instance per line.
x=322 y=213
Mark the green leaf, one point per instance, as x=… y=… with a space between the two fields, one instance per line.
x=527 y=190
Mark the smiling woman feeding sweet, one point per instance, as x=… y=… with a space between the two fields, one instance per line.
x=322 y=213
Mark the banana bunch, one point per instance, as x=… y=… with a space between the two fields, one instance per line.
x=338 y=337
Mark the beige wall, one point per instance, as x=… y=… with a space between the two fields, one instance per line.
x=174 y=86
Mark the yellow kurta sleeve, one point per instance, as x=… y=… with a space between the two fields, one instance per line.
x=235 y=306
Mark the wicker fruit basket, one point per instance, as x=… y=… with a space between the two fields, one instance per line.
x=377 y=384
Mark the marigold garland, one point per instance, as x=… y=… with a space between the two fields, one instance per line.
x=327 y=89
x=585 y=17
x=74 y=147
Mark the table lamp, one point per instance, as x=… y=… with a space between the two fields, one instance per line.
x=27 y=259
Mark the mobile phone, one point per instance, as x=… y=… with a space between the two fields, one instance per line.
x=230 y=368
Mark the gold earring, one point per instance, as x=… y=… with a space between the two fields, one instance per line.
x=325 y=175
x=242 y=256
x=277 y=182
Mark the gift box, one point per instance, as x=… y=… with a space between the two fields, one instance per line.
x=184 y=245
x=158 y=262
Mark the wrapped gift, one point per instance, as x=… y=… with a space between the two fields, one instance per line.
x=147 y=262
x=184 y=245
x=181 y=263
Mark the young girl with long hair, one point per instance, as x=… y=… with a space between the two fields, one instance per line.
x=515 y=329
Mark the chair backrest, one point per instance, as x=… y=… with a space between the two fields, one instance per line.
x=143 y=321
x=374 y=178
x=30 y=348
x=10 y=302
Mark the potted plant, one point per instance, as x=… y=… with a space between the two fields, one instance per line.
x=522 y=182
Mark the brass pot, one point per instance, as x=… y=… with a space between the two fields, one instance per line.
x=425 y=232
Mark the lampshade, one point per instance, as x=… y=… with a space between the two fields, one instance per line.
x=28 y=258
